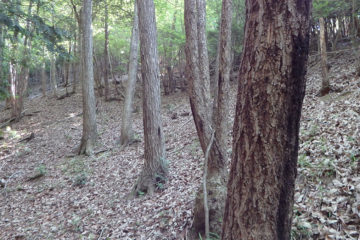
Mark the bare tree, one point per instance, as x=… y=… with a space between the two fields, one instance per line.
x=89 y=115
x=266 y=130
x=126 y=125
x=154 y=171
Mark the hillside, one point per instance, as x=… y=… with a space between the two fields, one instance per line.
x=48 y=192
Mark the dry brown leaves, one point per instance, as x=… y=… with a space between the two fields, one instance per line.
x=79 y=197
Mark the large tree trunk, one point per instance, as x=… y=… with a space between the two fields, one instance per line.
x=325 y=84
x=266 y=130
x=106 y=55
x=89 y=115
x=126 y=124
x=154 y=172
x=199 y=93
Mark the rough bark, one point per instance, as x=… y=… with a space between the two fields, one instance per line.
x=126 y=136
x=266 y=129
x=325 y=84
x=106 y=54
x=154 y=172
x=199 y=93
x=89 y=115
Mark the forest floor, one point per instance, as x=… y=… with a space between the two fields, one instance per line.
x=48 y=192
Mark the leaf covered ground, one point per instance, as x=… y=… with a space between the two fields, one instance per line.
x=48 y=192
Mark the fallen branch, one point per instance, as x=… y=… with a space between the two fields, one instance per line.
x=206 y=206
x=6 y=182
x=28 y=138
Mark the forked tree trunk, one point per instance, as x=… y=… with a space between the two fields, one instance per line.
x=199 y=93
x=155 y=171
x=325 y=84
x=271 y=89
x=89 y=115
x=126 y=135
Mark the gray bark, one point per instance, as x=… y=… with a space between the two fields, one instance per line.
x=126 y=125
x=106 y=55
x=154 y=172
x=43 y=79
x=325 y=84
x=89 y=115
x=53 y=76
x=199 y=93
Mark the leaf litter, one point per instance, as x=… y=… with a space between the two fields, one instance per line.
x=80 y=197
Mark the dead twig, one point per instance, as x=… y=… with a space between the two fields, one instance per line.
x=6 y=182
x=206 y=206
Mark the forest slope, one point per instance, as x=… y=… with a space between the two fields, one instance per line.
x=50 y=193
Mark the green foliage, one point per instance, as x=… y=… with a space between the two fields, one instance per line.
x=331 y=8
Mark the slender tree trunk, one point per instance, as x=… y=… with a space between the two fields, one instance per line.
x=43 y=79
x=89 y=115
x=126 y=136
x=355 y=22
x=155 y=171
x=75 y=65
x=199 y=93
x=97 y=77
x=53 y=76
x=337 y=35
x=325 y=84
x=20 y=79
x=271 y=89
x=106 y=54
x=169 y=82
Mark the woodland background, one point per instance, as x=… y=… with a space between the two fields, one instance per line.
x=48 y=191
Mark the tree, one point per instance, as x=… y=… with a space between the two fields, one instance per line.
x=89 y=115
x=53 y=74
x=266 y=130
x=106 y=53
x=325 y=84
x=126 y=125
x=154 y=172
x=205 y=121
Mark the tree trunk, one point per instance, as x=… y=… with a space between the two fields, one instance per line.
x=97 y=77
x=155 y=171
x=199 y=93
x=53 y=76
x=89 y=115
x=43 y=79
x=325 y=84
x=106 y=54
x=20 y=79
x=126 y=136
x=169 y=82
x=271 y=89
